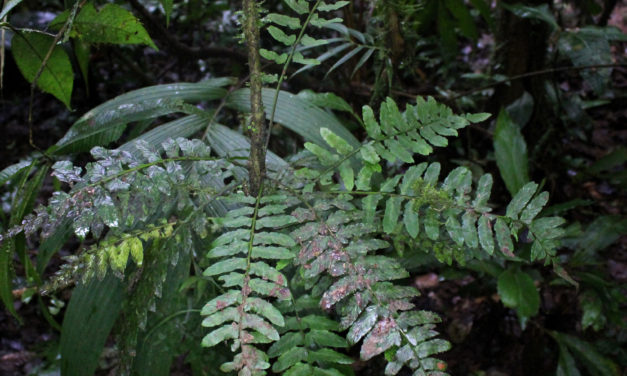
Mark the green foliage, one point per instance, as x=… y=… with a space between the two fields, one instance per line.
x=517 y=290
x=510 y=150
x=329 y=235
x=111 y=24
x=41 y=58
x=30 y=50
x=289 y=280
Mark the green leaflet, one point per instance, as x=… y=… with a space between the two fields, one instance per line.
x=283 y=20
x=280 y=36
x=112 y=24
x=511 y=153
x=392 y=211
x=335 y=141
x=485 y=234
x=57 y=78
x=518 y=291
x=503 y=238
x=411 y=219
x=521 y=199
x=289 y=358
x=298 y=6
x=534 y=207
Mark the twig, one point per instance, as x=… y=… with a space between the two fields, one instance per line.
x=78 y=5
x=537 y=73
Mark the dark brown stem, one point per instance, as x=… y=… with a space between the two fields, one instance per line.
x=537 y=73
x=256 y=128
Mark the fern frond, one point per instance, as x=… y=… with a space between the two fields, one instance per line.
x=416 y=199
x=246 y=255
x=351 y=39
x=309 y=341
x=336 y=242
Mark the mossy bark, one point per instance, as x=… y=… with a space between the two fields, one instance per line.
x=257 y=126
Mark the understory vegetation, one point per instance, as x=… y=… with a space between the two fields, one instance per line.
x=308 y=187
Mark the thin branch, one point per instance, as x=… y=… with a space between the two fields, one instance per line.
x=536 y=73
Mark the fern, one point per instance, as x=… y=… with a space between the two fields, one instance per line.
x=350 y=39
x=306 y=265
x=243 y=314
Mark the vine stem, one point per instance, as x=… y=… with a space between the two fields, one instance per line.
x=66 y=27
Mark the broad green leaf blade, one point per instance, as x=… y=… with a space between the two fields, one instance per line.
x=112 y=24
x=51 y=245
x=229 y=143
x=9 y=172
x=295 y=114
x=57 y=78
x=103 y=124
x=518 y=291
x=89 y=317
x=183 y=127
x=510 y=151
